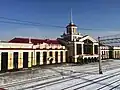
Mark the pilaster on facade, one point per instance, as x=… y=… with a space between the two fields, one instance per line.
x=59 y=59
x=93 y=49
x=34 y=62
x=75 y=59
x=82 y=45
x=0 y=61
x=48 y=62
x=20 y=59
x=53 y=56
x=29 y=59
x=33 y=58
x=64 y=56
x=75 y=49
x=41 y=58
x=10 y=60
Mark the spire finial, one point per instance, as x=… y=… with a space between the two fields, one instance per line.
x=71 y=20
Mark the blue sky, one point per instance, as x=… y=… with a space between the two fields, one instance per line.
x=103 y=16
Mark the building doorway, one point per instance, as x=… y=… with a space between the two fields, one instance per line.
x=25 y=59
x=38 y=58
x=61 y=57
x=15 y=60
x=56 y=57
x=66 y=56
x=44 y=57
x=4 y=61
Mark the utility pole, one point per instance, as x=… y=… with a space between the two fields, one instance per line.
x=100 y=69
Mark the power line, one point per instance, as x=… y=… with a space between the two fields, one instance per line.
x=17 y=21
x=24 y=22
x=9 y=22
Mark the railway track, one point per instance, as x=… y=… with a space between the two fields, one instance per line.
x=62 y=80
x=92 y=81
x=115 y=87
x=40 y=79
x=108 y=84
x=40 y=86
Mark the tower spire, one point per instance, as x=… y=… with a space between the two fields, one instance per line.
x=71 y=19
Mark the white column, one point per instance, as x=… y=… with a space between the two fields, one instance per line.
x=114 y=54
x=59 y=61
x=48 y=62
x=20 y=59
x=82 y=49
x=41 y=58
x=75 y=50
x=64 y=56
x=29 y=59
x=10 y=54
x=53 y=56
x=35 y=58
x=93 y=49
x=0 y=61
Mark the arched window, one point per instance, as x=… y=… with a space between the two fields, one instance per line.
x=88 y=47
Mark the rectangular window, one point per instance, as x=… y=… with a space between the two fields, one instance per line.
x=31 y=58
x=79 y=49
x=96 y=49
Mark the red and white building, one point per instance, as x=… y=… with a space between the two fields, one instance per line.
x=25 y=53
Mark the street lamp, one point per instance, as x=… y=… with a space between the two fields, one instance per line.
x=100 y=69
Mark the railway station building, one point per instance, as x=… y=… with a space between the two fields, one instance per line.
x=71 y=47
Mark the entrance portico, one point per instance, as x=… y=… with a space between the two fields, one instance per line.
x=79 y=46
x=85 y=49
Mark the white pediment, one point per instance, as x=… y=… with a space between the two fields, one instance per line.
x=88 y=37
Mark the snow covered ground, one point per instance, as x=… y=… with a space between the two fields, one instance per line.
x=65 y=77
